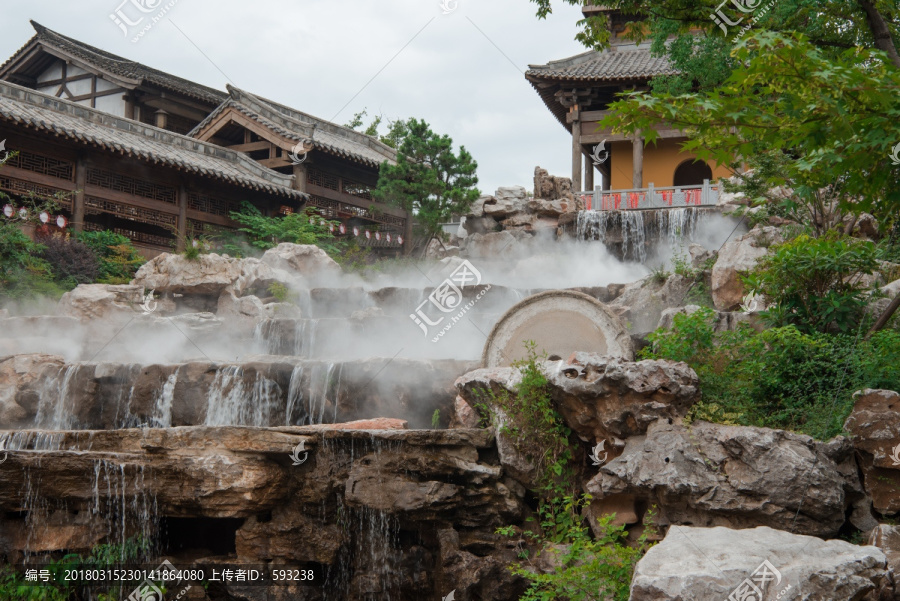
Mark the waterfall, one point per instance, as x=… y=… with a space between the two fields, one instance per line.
x=56 y=403
x=630 y=234
x=286 y=337
x=162 y=409
x=230 y=403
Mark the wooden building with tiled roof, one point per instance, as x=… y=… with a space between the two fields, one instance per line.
x=578 y=91
x=160 y=158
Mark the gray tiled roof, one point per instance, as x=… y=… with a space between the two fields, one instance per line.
x=30 y=109
x=298 y=126
x=619 y=63
x=116 y=65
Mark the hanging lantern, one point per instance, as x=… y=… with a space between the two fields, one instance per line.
x=23 y=213
x=343 y=229
x=400 y=240
x=356 y=231
x=388 y=238
x=322 y=222
x=61 y=222
x=378 y=236
x=8 y=210
x=312 y=220
x=331 y=228
x=44 y=217
x=368 y=235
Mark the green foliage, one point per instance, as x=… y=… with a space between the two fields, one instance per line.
x=531 y=420
x=119 y=259
x=263 y=233
x=659 y=274
x=814 y=283
x=436 y=419
x=397 y=130
x=23 y=273
x=779 y=378
x=827 y=119
x=429 y=180
x=14 y=587
x=586 y=568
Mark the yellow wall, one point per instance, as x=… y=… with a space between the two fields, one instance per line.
x=660 y=161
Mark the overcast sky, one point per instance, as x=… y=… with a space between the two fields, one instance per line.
x=319 y=55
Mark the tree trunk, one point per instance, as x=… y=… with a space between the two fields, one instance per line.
x=886 y=316
x=880 y=31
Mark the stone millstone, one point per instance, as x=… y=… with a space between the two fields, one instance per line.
x=561 y=322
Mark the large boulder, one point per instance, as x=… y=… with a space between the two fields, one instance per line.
x=549 y=187
x=306 y=260
x=739 y=477
x=736 y=258
x=101 y=302
x=495 y=245
x=714 y=564
x=505 y=202
x=641 y=303
x=208 y=274
x=874 y=425
x=887 y=538
x=551 y=208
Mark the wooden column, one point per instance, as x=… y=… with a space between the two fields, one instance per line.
x=637 y=176
x=161 y=119
x=78 y=199
x=588 y=173
x=129 y=106
x=606 y=170
x=408 y=235
x=576 y=149
x=300 y=177
x=181 y=224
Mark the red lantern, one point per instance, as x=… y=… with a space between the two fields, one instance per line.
x=343 y=229
x=23 y=213
x=331 y=228
x=8 y=210
x=368 y=235
x=378 y=236
x=356 y=231
x=61 y=222
x=44 y=217
x=399 y=239
x=388 y=237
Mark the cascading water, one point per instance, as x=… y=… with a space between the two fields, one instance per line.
x=56 y=402
x=162 y=410
x=632 y=234
x=286 y=337
x=230 y=403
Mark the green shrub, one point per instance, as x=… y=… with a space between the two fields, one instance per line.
x=779 y=378
x=23 y=273
x=261 y=232
x=119 y=260
x=814 y=283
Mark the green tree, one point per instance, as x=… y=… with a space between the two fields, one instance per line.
x=429 y=180
x=261 y=232
x=119 y=259
x=828 y=123
x=397 y=130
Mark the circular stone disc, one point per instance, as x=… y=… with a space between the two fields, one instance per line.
x=560 y=322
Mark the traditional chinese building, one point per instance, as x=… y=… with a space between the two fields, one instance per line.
x=578 y=91
x=160 y=158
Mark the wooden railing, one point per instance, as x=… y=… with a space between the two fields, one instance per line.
x=650 y=198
